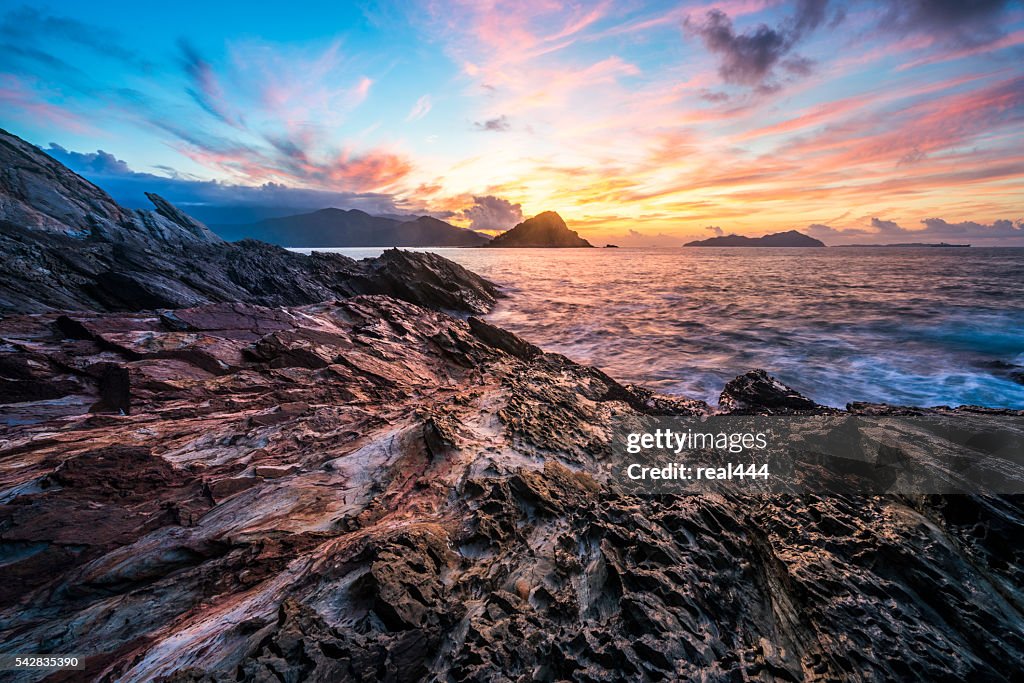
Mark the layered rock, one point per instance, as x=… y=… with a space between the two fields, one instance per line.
x=38 y=193
x=370 y=490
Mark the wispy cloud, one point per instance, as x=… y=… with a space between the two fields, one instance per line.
x=37 y=28
x=420 y=109
x=220 y=202
x=205 y=87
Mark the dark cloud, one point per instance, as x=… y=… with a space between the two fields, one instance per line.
x=915 y=155
x=750 y=58
x=960 y=22
x=493 y=213
x=971 y=229
x=714 y=229
x=497 y=125
x=798 y=66
x=216 y=202
x=98 y=162
x=714 y=96
x=1006 y=232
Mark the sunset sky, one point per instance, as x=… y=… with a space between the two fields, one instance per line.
x=643 y=123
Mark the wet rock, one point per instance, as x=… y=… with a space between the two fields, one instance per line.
x=757 y=392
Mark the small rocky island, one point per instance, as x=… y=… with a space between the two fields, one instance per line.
x=543 y=230
x=790 y=238
x=229 y=462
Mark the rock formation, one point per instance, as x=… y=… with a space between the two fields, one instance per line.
x=790 y=238
x=543 y=230
x=370 y=490
x=66 y=245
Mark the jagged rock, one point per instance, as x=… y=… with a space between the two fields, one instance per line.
x=426 y=279
x=65 y=245
x=40 y=194
x=756 y=392
x=500 y=339
x=428 y=506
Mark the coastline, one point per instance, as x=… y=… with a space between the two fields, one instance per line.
x=928 y=333
x=318 y=486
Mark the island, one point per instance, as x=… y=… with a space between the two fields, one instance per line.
x=543 y=230
x=790 y=238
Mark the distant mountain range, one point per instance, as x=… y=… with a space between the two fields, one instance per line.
x=353 y=228
x=543 y=230
x=790 y=238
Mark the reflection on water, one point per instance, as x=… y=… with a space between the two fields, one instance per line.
x=925 y=326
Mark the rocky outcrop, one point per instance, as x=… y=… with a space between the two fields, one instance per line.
x=370 y=490
x=421 y=278
x=543 y=230
x=66 y=245
x=47 y=272
x=38 y=193
x=757 y=393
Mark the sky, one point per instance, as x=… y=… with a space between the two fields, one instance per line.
x=640 y=123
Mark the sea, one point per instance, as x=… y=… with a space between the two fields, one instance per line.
x=921 y=326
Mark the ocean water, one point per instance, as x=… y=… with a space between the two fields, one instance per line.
x=913 y=326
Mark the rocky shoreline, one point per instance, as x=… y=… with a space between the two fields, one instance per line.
x=367 y=489
x=318 y=474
